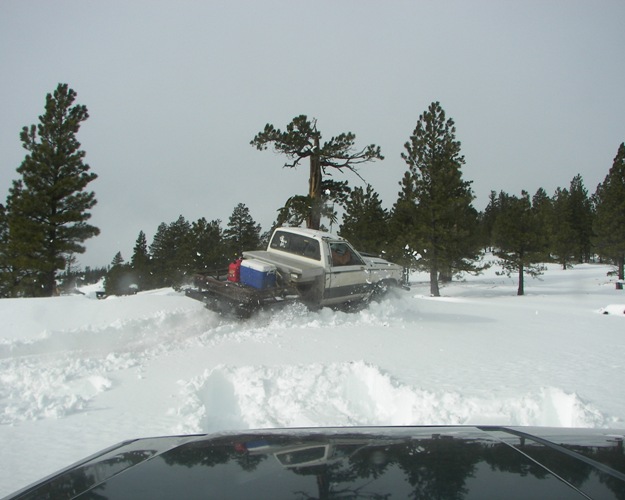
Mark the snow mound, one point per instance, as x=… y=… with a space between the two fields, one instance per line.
x=92 y=291
x=617 y=309
x=356 y=393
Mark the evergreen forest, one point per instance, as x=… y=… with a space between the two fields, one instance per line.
x=432 y=226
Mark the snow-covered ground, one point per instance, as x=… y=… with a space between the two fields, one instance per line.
x=79 y=374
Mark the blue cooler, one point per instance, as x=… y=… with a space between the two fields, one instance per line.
x=258 y=274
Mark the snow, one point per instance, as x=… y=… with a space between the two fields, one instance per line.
x=79 y=374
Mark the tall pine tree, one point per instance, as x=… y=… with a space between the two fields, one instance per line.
x=516 y=234
x=609 y=223
x=542 y=210
x=444 y=217
x=48 y=207
x=582 y=216
x=563 y=241
x=140 y=262
x=571 y=225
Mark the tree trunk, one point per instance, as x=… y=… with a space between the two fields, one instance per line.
x=521 y=290
x=434 y=290
x=314 y=192
x=621 y=272
x=48 y=285
x=445 y=276
x=48 y=274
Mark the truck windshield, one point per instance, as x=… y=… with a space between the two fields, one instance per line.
x=296 y=244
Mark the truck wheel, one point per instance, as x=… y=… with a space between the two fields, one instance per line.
x=382 y=288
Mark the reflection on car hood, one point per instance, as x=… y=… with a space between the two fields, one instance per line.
x=459 y=462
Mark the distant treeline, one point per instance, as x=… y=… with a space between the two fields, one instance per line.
x=525 y=231
x=432 y=226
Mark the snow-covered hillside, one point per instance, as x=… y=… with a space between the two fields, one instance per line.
x=79 y=374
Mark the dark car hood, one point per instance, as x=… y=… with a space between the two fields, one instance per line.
x=459 y=462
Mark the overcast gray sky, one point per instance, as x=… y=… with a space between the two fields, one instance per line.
x=177 y=89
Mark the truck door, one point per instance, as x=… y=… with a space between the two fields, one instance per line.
x=348 y=278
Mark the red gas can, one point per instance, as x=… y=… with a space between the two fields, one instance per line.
x=234 y=271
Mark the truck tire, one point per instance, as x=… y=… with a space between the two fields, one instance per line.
x=382 y=288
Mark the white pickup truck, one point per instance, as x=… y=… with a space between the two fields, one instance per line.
x=314 y=267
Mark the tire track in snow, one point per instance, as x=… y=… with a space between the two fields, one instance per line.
x=60 y=372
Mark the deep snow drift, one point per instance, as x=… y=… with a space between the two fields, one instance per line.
x=79 y=374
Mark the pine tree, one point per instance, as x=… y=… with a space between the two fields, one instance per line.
x=487 y=220
x=444 y=217
x=118 y=260
x=582 y=216
x=571 y=227
x=6 y=275
x=160 y=252
x=563 y=240
x=463 y=247
x=140 y=262
x=120 y=280
x=365 y=221
x=114 y=275
x=542 y=208
x=302 y=140
x=404 y=245
x=209 y=248
x=242 y=233
x=48 y=207
x=516 y=235
x=609 y=223
x=172 y=253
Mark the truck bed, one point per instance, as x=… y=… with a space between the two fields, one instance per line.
x=237 y=299
x=308 y=271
